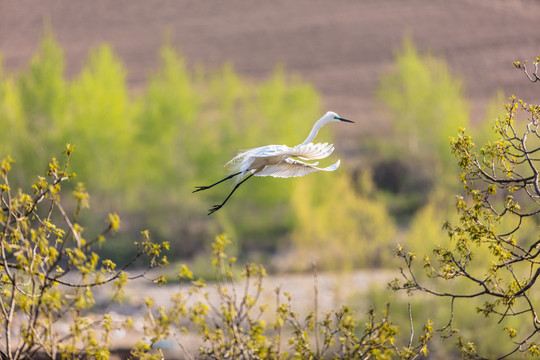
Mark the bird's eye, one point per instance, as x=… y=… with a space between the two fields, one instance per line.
x=336 y=117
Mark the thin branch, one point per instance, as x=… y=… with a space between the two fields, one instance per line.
x=411 y=326
x=316 y=306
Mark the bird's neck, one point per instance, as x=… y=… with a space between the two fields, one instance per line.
x=314 y=131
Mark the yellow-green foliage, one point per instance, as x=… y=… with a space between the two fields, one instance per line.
x=34 y=103
x=233 y=322
x=145 y=153
x=489 y=260
x=167 y=121
x=42 y=87
x=486 y=333
x=427 y=234
x=494 y=111
x=49 y=267
x=427 y=106
x=426 y=230
x=337 y=227
x=12 y=118
x=99 y=122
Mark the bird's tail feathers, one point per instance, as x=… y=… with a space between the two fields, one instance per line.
x=238 y=164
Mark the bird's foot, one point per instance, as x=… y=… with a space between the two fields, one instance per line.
x=199 y=188
x=214 y=209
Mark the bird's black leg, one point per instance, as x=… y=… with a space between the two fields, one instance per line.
x=217 y=207
x=199 y=188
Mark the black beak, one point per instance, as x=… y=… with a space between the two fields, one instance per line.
x=342 y=119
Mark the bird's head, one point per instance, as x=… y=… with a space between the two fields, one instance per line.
x=332 y=116
x=327 y=118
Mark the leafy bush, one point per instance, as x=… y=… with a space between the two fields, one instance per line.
x=49 y=267
x=49 y=270
x=232 y=323
x=493 y=248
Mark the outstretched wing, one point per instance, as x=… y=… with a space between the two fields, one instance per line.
x=307 y=152
x=242 y=162
x=277 y=156
x=293 y=168
x=311 y=151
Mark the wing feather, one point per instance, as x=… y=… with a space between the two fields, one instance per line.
x=308 y=151
x=244 y=159
x=293 y=168
x=312 y=151
x=286 y=167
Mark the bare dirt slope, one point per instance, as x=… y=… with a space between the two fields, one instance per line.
x=341 y=46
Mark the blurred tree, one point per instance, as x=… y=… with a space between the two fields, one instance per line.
x=144 y=154
x=42 y=90
x=165 y=127
x=484 y=131
x=100 y=123
x=42 y=87
x=426 y=106
x=338 y=227
x=11 y=117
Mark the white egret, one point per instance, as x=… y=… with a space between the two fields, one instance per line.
x=280 y=161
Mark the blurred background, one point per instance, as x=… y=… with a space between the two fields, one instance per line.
x=158 y=96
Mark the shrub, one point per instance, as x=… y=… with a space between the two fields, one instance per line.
x=235 y=325
x=49 y=268
x=493 y=249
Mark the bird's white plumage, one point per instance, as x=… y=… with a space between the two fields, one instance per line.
x=293 y=168
x=284 y=161
x=262 y=158
x=280 y=161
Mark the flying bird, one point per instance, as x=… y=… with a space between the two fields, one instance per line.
x=280 y=161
